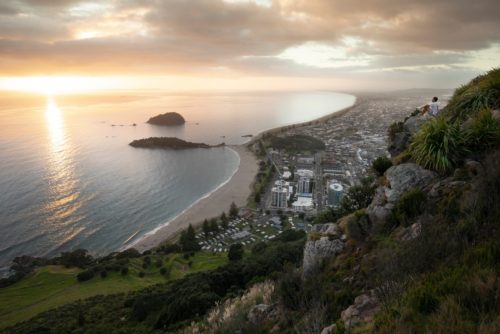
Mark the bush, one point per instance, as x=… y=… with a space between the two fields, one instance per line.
x=159 y=263
x=484 y=132
x=104 y=274
x=85 y=275
x=381 y=164
x=129 y=253
x=141 y=274
x=124 y=271
x=394 y=129
x=164 y=271
x=235 y=252
x=410 y=205
x=439 y=145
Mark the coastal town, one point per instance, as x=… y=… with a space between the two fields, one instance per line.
x=326 y=157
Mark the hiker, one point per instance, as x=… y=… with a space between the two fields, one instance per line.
x=432 y=109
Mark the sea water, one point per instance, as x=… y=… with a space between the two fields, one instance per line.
x=69 y=179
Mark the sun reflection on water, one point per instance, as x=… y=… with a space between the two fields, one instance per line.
x=63 y=199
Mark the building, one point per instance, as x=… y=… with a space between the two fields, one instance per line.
x=304 y=173
x=304 y=185
x=335 y=193
x=303 y=204
x=280 y=194
x=305 y=160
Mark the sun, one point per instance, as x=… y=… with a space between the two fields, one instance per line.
x=57 y=85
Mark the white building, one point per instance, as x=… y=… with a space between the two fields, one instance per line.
x=304 y=185
x=304 y=173
x=280 y=194
x=303 y=204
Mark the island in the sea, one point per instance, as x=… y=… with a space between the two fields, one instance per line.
x=169 y=143
x=170 y=118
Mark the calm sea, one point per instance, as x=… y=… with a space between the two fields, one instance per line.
x=69 y=179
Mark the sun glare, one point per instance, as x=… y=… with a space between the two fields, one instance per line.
x=57 y=85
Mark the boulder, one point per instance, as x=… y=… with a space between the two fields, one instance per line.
x=329 y=330
x=405 y=177
x=262 y=313
x=328 y=229
x=362 y=310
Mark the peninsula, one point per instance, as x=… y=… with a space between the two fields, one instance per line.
x=168 y=119
x=169 y=143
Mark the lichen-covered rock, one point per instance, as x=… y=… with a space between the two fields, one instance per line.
x=410 y=232
x=405 y=177
x=328 y=229
x=321 y=248
x=362 y=311
x=329 y=330
x=400 y=140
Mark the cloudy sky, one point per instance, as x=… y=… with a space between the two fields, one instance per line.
x=289 y=44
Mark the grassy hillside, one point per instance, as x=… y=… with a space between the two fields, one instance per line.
x=52 y=286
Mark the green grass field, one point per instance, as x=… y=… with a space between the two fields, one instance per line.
x=52 y=286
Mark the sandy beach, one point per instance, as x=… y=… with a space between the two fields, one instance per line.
x=237 y=190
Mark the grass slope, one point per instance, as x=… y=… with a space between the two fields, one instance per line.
x=53 y=286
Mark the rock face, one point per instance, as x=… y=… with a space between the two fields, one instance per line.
x=170 y=118
x=401 y=139
x=401 y=178
x=363 y=310
x=324 y=243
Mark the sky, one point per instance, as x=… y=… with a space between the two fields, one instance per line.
x=247 y=44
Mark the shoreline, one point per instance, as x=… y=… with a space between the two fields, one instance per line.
x=236 y=189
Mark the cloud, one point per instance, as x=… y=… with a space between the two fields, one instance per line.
x=281 y=37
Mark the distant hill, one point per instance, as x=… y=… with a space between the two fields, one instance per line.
x=168 y=119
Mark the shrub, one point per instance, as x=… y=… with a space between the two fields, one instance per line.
x=159 y=263
x=164 y=271
x=381 y=164
x=128 y=254
x=235 y=252
x=104 y=274
x=481 y=93
x=85 y=275
x=410 y=205
x=141 y=274
x=394 y=129
x=484 y=132
x=439 y=145
x=124 y=271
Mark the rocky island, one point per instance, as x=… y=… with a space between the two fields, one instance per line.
x=168 y=119
x=169 y=143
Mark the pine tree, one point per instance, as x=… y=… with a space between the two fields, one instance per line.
x=224 y=221
x=206 y=228
x=233 y=210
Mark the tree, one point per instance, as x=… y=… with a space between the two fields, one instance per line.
x=214 y=227
x=233 y=210
x=188 y=241
x=235 y=252
x=224 y=221
x=206 y=228
x=77 y=258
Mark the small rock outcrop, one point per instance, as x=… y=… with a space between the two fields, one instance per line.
x=168 y=119
x=168 y=143
x=324 y=242
x=262 y=313
x=399 y=140
x=362 y=311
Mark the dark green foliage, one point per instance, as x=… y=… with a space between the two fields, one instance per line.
x=104 y=274
x=142 y=274
x=484 y=132
x=291 y=235
x=214 y=227
x=206 y=228
x=188 y=241
x=381 y=164
x=159 y=263
x=124 y=271
x=258 y=247
x=439 y=145
x=481 y=93
x=235 y=252
x=129 y=253
x=410 y=205
x=77 y=258
x=224 y=221
x=297 y=143
x=233 y=210
x=358 y=197
x=85 y=275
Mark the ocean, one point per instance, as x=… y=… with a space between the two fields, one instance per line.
x=69 y=179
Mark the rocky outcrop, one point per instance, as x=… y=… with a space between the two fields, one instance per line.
x=172 y=143
x=168 y=119
x=323 y=243
x=400 y=179
x=261 y=313
x=362 y=311
x=399 y=140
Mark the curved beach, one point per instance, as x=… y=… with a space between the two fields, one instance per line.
x=236 y=189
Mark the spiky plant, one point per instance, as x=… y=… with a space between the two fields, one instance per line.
x=484 y=131
x=439 y=145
